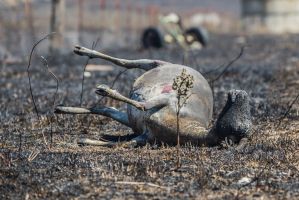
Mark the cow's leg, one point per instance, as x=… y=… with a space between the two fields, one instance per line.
x=144 y=64
x=86 y=141
x=134 y=142
x=105 y=111
x=158 y=101
x=104 y=90
x=138 y=141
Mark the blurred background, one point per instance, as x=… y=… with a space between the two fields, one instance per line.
x=120 y=23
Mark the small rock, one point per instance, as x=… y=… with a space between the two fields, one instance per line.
x=87 y=74
x=244 y=181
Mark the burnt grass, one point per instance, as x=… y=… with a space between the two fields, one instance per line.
x=39 y=157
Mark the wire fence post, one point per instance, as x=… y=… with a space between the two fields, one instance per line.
x=80 y=20
x=57 y=24
x=30 y=19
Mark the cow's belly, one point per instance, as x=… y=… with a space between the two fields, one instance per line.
x=161 y=124
x=136 y=116
x=198 y=109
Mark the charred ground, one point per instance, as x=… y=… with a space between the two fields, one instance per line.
x=31 y=166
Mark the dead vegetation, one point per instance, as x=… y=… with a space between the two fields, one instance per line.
x=266 y=166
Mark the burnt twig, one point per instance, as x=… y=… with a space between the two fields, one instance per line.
x=114 y=81
x=45 y=62
x=229 y=65
x=117 y=77
x=28 y=67
x=20 y=143
x=212 y=70
x=288 y=110
x=193 y=56
x=94 y=44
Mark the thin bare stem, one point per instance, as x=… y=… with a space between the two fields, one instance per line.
x=117 y=77
x=114 y=81
x=288 y=110
x=28 y=69
x=194 y=60
x=229 y=65
x=33 y=155
x=178 y=133
x=45 y=62
x=44 y=138
x=182 y=84
x=94 y=44
x=20 y=143
x=257 y=176
x=140 y=183
x=185 y=100
x=213 y=70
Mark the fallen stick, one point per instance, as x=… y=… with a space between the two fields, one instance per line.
x=141 y=183
x=73 y=110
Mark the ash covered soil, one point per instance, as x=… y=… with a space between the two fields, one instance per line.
x=39 y=157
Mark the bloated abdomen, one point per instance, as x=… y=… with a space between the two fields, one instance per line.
x=195 y=115
x=163 y=128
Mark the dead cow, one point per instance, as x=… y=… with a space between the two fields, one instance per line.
x=152 y=106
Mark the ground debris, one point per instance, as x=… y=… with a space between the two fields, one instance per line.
x=266 y=166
